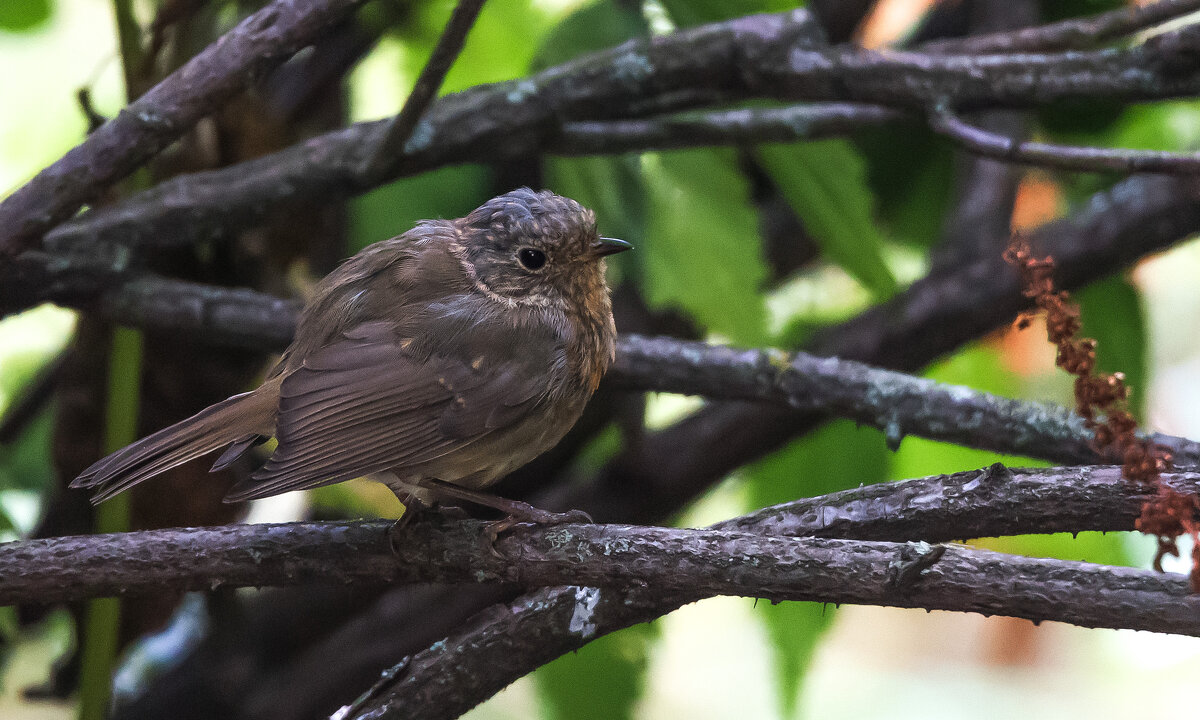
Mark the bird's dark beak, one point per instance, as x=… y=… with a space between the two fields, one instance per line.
x=609 y=246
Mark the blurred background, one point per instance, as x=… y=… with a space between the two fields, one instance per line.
x=754 y=247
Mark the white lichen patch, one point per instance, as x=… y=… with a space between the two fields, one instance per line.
x=582 y=620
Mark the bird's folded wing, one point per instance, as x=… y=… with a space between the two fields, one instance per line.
x=364 y=405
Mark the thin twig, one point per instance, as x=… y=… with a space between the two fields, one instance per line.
x=401 y=128
x=150 y=123
x=746 y=126
x=1066 y=157
x=1073 y=34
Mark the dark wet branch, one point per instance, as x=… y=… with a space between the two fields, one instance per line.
x=1109 y=231
x=979 y=221
x=894 y=402
x=160 y=116
x=1073 y=34
x=506 y=641
x=745 y=556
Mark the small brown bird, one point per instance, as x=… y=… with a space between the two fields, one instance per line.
x=438 y=361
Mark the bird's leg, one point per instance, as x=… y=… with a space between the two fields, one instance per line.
x=417 y=504
x=418 y=509
x=515 y=511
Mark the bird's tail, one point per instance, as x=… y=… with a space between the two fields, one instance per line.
x=236 y=420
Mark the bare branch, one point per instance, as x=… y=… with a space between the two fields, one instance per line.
x=1066 y=157
x=992 y=501
x=1073 y=34
x=727 y=127
x=508 y=640
x=504 y=642
x=449 y=45
x=1109 y=231
x=166 y=111
x=763 y=56
x=896 y=403
x=675 y=563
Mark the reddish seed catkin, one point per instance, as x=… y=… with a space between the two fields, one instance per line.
x=1100 y=400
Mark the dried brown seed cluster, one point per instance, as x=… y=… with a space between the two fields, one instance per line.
x=1100 y=400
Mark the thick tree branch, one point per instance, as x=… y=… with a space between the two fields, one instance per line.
x=765 y=56
x=1073 y=34
x=1108 y=232
x=893 y=402
x=505 y=641
x=753 y=555
x=166 y=111
x=984 y=142
x=992 y=501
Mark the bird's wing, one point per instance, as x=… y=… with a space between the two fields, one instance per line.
x=364 y=404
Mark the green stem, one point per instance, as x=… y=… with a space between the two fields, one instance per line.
x=102 y=622
x=101 y=639
x=129 y=39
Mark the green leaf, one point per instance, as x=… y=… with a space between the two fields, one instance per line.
x=28 y=341
x=825 y=183
x=601 y=681
x=1112 y=315
x=838 y=456
x=500 y=45
x=685 y=13
x=593 y=27
x=1063 y=9
x=394 y=208
x=24 y=15
x=702 y=252
x=26 y=464
x=911 y=174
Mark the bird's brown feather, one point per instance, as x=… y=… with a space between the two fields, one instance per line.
x=434 y=355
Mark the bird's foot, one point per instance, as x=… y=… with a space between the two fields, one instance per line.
x=515 y=511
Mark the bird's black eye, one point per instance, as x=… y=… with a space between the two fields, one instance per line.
x=531 y=258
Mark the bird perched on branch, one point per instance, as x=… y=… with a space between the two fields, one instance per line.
x=438 y=361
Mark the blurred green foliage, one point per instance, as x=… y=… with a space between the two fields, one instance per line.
x=601 y=681
x=825 y=182
x=24 y=15
x=836 y=457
